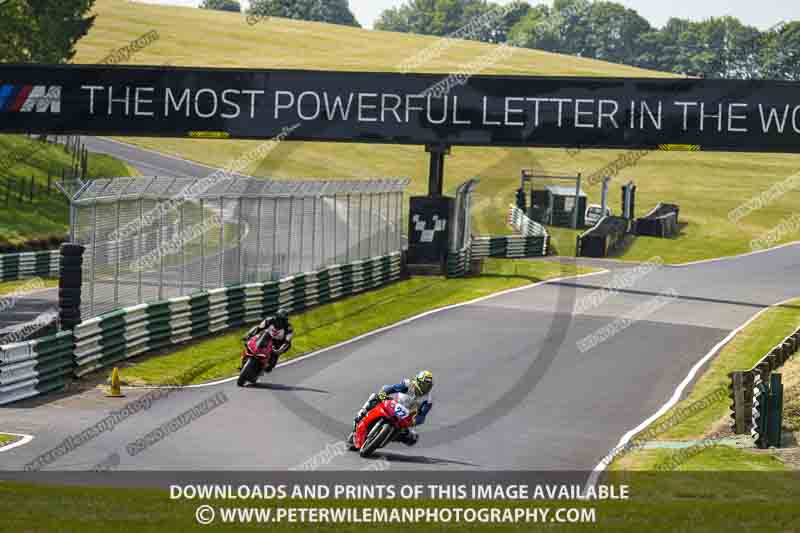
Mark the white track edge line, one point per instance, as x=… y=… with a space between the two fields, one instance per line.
x=716 y=259
x=676 y=395
x=25 y=439
x=391 y=326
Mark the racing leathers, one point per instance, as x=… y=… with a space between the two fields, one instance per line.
x=280 y=331
x=406 y=394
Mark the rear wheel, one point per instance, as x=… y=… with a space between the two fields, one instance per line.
x=376 y=437
x=249 y=372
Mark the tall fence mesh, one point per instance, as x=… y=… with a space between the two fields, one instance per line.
x=149 y=239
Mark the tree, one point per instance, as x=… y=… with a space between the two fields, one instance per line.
x=437 y=17
x=780 y=52
x=332 y=11
x=500 y=30
x=720 y=47
x=536 y=30
x=614 y=32
x=222 y=5
x=661 y=49
x=42 y=31
x=571 y=22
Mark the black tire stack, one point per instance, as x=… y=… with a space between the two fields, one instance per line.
x=69 y=285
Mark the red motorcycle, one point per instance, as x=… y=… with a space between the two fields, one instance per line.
x=380 y=426
x=254 y=358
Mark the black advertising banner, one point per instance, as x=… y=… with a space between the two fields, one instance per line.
x=736 y=115
x=428 y=231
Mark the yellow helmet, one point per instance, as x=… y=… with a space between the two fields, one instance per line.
x=424 y=381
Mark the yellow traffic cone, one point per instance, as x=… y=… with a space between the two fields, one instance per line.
x=116 y=391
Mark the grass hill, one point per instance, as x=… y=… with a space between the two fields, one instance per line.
x=706 y=185
x=47 y=216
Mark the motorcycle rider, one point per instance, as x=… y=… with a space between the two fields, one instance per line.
x=281 y=332
x=413 y=393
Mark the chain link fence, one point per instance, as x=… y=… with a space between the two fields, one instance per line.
x=152 y=238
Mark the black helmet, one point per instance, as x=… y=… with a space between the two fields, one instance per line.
x=282 y=315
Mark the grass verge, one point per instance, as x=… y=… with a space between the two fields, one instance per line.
x=26 y=285
x=7 y=439
x=336 y=322
x=747 y=347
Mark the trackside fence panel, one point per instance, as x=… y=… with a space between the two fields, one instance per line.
x=37 y=367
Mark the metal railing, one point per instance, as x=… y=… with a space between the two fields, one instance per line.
x=459 y=253
x=461 y=225
x=154 y=238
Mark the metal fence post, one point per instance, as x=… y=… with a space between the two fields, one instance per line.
x=274 y=238
x=322 y=230
x=388 y=223
x=369 y=227
x=258 y=240
x=302 y=227
x=289 y=235
x=160 y=251
x=360 y=217
x=347 y=229
x=140 y=296
x=335 y=235
x=241 y=248
x=399 y=221
x=202 y=250
x=314 y=233
x=94 y=258
x=119 y=257
x=221 y=250
x=183 y=249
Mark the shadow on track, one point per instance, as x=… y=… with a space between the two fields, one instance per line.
x=594 y=287
x=418 y=459
x=282 y=387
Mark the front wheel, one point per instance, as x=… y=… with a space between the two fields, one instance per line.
x=249 y=372
x=376 y=437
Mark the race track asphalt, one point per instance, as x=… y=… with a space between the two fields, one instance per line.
x=513 y=390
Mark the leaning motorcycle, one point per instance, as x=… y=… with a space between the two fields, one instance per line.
x=380 y=426
x=254 y=359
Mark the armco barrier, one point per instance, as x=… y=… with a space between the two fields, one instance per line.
x=510 y=247
x=29 y=264
x=520 y=221
x=36 y=367
x=662 y=221
x=603 y=238
x=458 y=264
x=32 y=368
x=532 y=243
x=743 y=384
